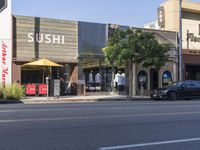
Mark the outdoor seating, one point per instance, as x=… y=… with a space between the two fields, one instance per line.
x=42 y=89
x=31 y=89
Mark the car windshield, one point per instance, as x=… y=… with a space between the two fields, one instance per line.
x=178 y=83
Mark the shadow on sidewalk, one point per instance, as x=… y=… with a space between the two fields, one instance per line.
x=3 y=101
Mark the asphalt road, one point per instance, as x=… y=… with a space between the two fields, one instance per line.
x=146 y=125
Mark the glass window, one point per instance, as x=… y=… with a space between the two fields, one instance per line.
x=187 y=84
x=196 y=83
x=166 y=78
x=142 y=79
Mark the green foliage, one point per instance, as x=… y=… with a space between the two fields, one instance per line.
x=113 y=48
x=13 y=91
x=138 y=46
x=1 y=94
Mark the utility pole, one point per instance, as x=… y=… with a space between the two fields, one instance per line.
x=180 y=43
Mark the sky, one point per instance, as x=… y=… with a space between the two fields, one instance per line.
x=124 y=12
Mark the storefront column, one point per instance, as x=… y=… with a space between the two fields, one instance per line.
x=174 y=77
x=100 y=72
x=6 y=41
x=81 y=78
x=16 y=74
x=148 y=71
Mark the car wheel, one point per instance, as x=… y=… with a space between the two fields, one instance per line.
x=173 y=96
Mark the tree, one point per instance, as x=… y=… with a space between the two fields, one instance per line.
x=135 y=47
x=112 y=50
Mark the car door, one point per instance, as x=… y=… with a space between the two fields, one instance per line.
x=196 y=88
x=187 y=90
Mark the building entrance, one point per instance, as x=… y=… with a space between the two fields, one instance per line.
x=192 y=72
x=97 y=75
x=153 y=79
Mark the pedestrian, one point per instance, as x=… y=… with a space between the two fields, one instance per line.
x=123 y=81
x=116 y=80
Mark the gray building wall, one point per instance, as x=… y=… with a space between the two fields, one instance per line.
x=91 y=39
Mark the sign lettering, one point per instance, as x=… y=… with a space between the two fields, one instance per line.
x=46 y=38
x=4 y=67
x=193 y=38
x=161 y=16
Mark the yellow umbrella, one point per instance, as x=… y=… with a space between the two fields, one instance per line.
x=44 y=63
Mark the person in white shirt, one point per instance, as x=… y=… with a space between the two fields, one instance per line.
x=116 y=80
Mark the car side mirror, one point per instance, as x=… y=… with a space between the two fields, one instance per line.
x=183 y=86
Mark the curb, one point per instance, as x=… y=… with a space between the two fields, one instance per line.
x=53 y=100
x=57 y=101
x=10 y=101
x=125 y=99
x=89 y=100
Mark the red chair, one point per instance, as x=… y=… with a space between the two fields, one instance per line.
x=42 y=89
x=31 y=89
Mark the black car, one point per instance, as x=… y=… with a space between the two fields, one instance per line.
x=179 y=90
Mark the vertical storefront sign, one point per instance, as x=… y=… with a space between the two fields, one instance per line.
x=5 y=42
x=161 y=16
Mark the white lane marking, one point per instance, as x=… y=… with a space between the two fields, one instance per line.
x=149 y=144
x=98 y=117
x=7 y=111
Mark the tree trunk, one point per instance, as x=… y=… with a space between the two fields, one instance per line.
x=130 y=78
x=113 y=77
x=127 y=77
x=134 y=82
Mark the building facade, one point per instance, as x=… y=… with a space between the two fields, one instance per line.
x=166 y=74
x=168 y=19
x=75 y=45
x=78 y=47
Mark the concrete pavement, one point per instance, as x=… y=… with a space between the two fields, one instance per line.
x=138 y=125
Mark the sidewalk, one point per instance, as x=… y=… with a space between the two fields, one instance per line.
x=80 y=99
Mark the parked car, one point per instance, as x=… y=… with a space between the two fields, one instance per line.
x=178 y=90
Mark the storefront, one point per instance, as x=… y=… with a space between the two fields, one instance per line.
x=77 y=46
x=74 y=45
x=191 y=44
x=168 y=14
x=150 y=78
x=35 y=38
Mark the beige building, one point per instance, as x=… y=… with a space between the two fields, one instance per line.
x=151 y=77
x=168 y=19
